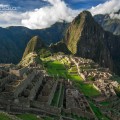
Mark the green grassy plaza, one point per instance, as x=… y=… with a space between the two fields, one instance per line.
x=58 y=69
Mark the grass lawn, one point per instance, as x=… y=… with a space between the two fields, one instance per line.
x=98 y=113
x=55 y=98
x=61 y=97
x=29 y=117
x=74 y=77
x=106 y=103
x=87 y=89
x=56 y=68
x=4 y=117
x=56 y=65
x=48 y=118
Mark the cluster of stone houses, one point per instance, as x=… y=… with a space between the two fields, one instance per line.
x=99 y=77
x=105 y=87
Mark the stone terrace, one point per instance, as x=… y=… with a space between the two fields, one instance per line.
x=77 y=104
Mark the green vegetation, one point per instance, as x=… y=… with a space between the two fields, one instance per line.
x=57 y=95
x=91 y=78
x=105 y=103
x=48 y=118
x=73 y=69
x=98 y=113
x=57 y=69
x=55 y=98
x=43 y=53
x=87 y=89
x=3 y=116
x=29 y=117
x=61 y=97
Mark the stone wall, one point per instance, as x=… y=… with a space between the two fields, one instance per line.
x=35 y=88
x=79 y=112
x=45 y=107
x=18 y=72
x=6 y=80
x=24 y=84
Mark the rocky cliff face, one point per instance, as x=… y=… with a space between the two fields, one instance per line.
x=86 y=38
x=108 y=24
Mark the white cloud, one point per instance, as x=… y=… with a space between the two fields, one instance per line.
x=48 y=15
x=57 y=10
x=110 y=6
x=11 y=18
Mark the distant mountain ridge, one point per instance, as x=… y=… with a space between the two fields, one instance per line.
x=109 y=24
x=13 y=40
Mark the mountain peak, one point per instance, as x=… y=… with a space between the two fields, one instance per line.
x=85 y=15
x=33 y=45
x=83 y=22
x=87 y=39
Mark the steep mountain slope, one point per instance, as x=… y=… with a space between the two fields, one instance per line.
x=8 y=49
x=13 y=40
x=86 y=38
x=108 y=24
x=34 y=45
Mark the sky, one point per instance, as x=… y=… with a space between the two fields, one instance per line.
x=39 y=14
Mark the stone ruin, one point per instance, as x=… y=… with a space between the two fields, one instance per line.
x=77 y=104
x=18 y=71
x=27 y=90
x=105 y=87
